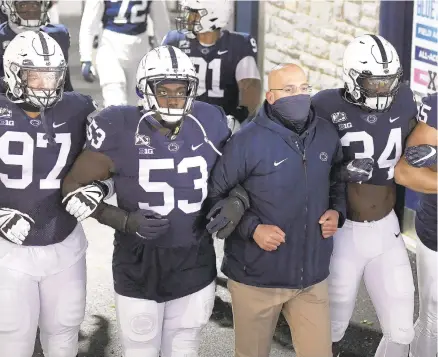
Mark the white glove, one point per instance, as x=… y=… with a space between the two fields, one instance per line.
x=82 y=202
x=233 y=124
x=14 y=225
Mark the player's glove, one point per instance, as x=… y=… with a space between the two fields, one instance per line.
x=357 y=170
x=14 y=225
x=228 y=212
x=233 y=124
x=421 y=155
x=82 y=202
x=146 y=224
x=88 y=71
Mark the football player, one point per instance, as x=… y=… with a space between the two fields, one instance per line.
x=417 y=170
x=225 y=61
x=164 y=264
x=28 y=15
x=123 y=43
x=373 y=113
x=42 y=247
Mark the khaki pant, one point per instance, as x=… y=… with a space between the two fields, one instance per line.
x=256 y=311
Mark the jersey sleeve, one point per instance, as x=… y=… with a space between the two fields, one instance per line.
x=428 y=111
x=103 y=131
x=91 y=18
x=247 y=65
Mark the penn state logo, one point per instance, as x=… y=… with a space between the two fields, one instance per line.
x=371 y=118
x=173 y=147
x=339 y=117
x=323 y=156
x=35 y=122
x=5 y=113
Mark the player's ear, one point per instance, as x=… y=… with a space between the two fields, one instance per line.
x=139 y=93
x=270 y=97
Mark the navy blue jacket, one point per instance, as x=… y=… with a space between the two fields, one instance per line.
x=287 y=178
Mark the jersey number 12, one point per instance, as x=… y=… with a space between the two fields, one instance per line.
x=134 y=18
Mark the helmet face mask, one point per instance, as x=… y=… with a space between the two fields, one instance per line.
x=189 y=21
x=201 y=16
x=29 y=14
x=41 y=87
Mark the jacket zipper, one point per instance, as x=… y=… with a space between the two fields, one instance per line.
x=306 y=209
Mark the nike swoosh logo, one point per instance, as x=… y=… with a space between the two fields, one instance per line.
x=221 y=52
x=57 y=125
x=432 y=152
x=397 y=234
x=393 y=120
x=197 y=146
x=278 y=163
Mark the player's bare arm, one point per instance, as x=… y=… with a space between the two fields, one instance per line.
x=89 y=166
x=422 y=179
x=250 y=92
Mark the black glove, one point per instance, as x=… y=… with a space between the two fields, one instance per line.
x=228 y=212
x=146 y=224
x=421 y=155
x=357 y=170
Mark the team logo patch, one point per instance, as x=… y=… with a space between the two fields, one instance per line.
x=184 y=44
x=5 y=113
x=338 y=117
x=35 y=122
x=173 y=147
x=144 y=140
x=344 y=126
x=323 y=156
x=141 y=139
x=205 y=51
x=371 y=118
x=6 y=122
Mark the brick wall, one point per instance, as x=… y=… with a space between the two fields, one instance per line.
x=314 y=34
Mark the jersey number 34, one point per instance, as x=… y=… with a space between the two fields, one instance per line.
x=394 y=140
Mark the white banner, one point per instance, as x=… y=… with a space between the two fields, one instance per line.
x=424 y=58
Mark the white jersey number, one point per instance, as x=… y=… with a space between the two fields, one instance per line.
x=25 y=159
x=134 y=17
x=147 y=165
x=202 y=70
x=394 y=140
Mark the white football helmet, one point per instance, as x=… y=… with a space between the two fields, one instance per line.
x=35 y=69
x=200 y=16
x=372 y=72
x=166 y=65
x=29 y=14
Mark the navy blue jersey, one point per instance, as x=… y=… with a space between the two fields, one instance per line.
x=426 y=220
x=127 y=17
x=216 y=65
x=365 y=134
x=58 y=32
x=32 y=171
x=169 y=177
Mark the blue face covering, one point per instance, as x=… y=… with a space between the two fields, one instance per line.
x=292 y=111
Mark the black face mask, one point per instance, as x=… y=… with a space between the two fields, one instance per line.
x=293 y=111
